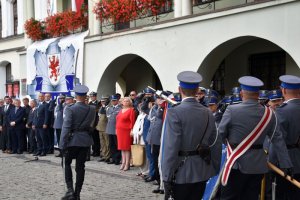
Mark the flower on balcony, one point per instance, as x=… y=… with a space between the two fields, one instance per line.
x=34 y=29
x=57 y=25
x=127 y=10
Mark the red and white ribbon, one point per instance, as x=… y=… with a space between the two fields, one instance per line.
x=232 y=156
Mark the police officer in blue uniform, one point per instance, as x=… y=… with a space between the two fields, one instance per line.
x=188 y=160
x=76 y=140
x=289 y=117
x=275 y=98
x=237 y=123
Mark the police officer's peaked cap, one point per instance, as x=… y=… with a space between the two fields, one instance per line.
x=227 y=99
x=68 y=96
x=61 y=96
x=236 y=90
x=250 y=83
x=189 y=79
x=236 y=98
x=114 y=97
x=148 y=91
x=210 y=100
x=81 y=90
x=210 y=92
x=275 y=95
x=104 y=97
x=263 y=94
x=93 y=94
x=202 y=89
x=177 y=97
x=290 y=82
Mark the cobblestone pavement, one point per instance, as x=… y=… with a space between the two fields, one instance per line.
x=43 y=180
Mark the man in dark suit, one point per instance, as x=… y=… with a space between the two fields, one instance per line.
x=6 y=145
x=16 y=127
x=190 y=153
x=96 y=147
x=75 y=140
x=40 y=125
x=26 y=132
x=31 y=132
x=1 y=107
x=50 y=130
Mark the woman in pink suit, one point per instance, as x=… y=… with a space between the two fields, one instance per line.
x=125 y=122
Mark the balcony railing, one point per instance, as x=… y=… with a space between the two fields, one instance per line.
x=167 y=13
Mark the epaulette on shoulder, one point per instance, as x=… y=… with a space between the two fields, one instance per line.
x=282 y=105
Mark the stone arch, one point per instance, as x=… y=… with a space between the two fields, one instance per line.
x=234 y=54
x=131 y=72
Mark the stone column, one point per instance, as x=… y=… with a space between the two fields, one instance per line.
x=10 y=17
x=4 y=18
x=21 y=16
x=187 y=7
x=91 y=16
x=28 y=13
x=73 y=5
x=177 y=8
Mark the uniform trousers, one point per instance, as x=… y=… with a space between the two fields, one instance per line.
x=58 y=132
x=150 y=159
x=241 y=186
x=188 y=191
x=286 y=190
x=155 y=154
x=78 y=153
x=96 y=145
x=104 y=141
x=113 y=145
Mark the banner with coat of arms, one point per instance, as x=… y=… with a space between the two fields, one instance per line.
x=55 y=65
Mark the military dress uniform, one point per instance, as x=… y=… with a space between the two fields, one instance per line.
x=288 y=115
x=111 y=114
x=96 y=146
x=75 y=140
x=187 y=126
x=237 y=123
x=101 y=127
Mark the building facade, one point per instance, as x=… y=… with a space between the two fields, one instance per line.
x=222 y=40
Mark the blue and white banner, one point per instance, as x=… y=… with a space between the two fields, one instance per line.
x=55 y=65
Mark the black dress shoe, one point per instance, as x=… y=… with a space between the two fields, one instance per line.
x=58 y=155
x=42 y=154
x=19 y=152
x=111 y=162
x=102 y=160
x=37 y=154
x=150 y=179
x=155 y=183
x=50 y=152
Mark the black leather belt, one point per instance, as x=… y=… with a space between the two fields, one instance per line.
x=254 y=146
x=292 y=146
x=188 y=153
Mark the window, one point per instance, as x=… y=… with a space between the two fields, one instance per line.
x=15 y=13
x=268 y=67
x=218 y=79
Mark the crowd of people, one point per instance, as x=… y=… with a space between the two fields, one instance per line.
x=139 y=118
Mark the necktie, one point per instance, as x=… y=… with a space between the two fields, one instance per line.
x=16 y=110
x=5 y=109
